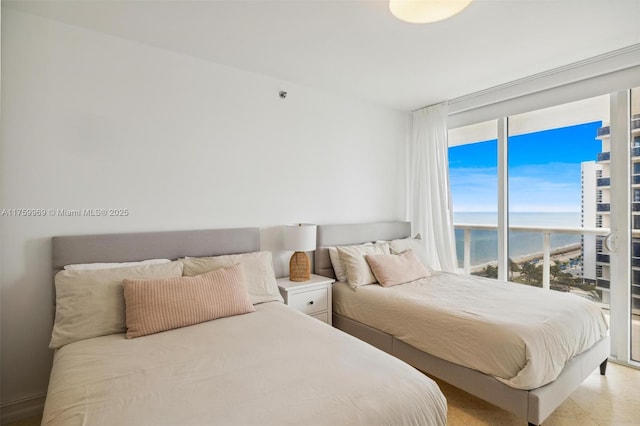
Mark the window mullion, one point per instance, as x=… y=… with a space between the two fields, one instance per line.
x=503 y=199
x=620 y=226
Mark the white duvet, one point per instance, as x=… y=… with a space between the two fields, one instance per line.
x=521 y=335
x=274 y=366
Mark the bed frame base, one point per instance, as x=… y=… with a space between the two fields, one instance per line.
x=534 y=405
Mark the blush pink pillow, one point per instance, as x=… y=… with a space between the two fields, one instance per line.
x=155 y=305
x=394 y=269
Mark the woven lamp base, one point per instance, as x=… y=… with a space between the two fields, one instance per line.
x=299 y=267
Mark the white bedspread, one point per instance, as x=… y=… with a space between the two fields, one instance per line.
x=521 y=335
x=275 y=366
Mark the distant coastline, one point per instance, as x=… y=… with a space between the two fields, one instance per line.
x=522 y=245
x=559 y=254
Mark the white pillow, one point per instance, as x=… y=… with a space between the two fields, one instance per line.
x=94 y=266
x=91 y=303
x=353 y=257
x=415 y=244
x=338 y=266
x=258 y=268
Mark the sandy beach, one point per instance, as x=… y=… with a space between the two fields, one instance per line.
x=559 y=254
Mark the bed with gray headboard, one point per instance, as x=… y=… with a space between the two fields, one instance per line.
x=534 y=405
x=274 y=365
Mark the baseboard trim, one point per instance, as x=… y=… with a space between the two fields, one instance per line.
x=19 y=409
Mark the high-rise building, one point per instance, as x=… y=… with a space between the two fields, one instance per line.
x=589 y=171
x=603 y=209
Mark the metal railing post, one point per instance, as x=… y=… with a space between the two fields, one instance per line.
x=546 y=260
x=467 y=250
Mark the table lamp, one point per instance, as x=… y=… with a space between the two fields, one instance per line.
x=299 y=238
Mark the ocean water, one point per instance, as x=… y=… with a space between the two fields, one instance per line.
x=484 y=244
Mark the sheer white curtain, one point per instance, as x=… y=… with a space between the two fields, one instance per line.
x=429 y=195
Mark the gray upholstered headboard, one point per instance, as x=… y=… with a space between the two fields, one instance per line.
x=356 y=233
x=69 y=250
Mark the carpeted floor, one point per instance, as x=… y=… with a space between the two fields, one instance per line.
x=609 y=400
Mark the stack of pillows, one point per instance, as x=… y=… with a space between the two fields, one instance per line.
x=388 y=263
x=147 y=297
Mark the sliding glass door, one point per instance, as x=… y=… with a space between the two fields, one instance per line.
x=550 y=152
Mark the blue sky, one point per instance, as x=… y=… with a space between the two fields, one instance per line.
x=544 y=171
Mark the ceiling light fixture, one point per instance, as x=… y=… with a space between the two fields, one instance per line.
x=425 y=11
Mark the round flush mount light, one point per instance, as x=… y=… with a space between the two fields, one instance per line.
x=425 y=11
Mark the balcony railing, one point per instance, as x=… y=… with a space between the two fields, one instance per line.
x=603 y=131
x=546 y=243
x=602 y=283
x=604 y=156
x=635 y=151
x=603 y=207
x=603 y=258
x=604 y=181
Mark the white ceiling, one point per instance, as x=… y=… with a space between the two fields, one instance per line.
x=358 y=49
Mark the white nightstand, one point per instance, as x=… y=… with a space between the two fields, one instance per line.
x=311 y=297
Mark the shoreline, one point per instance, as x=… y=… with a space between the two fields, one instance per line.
x=558 y=252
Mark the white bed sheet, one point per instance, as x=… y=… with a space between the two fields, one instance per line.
x=521 y=335
x=275 y=366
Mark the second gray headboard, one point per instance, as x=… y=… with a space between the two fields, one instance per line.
x=354 y=233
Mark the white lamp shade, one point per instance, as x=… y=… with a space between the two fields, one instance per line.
x=300 y=237
x=425 y=11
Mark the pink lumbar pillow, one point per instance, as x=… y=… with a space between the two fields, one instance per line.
x=155 y=305
x=394 y=269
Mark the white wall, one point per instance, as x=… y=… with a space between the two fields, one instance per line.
x=92 y=121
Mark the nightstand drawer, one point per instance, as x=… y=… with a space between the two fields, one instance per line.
x=323 y=316
x=310 y=302
x=312 y=297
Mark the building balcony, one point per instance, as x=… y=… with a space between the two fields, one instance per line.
x=604 y=131
x=603 y=207
x=603 y=284
x=604 y=156
x=635 y=179
x=604 y=181
x=602 y=258
x=635 y=152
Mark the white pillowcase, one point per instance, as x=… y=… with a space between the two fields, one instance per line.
x=258 y=268
x=338 y=266
x=353 y=257
x=95 y=266
x=415 y=244
x=91 y=303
